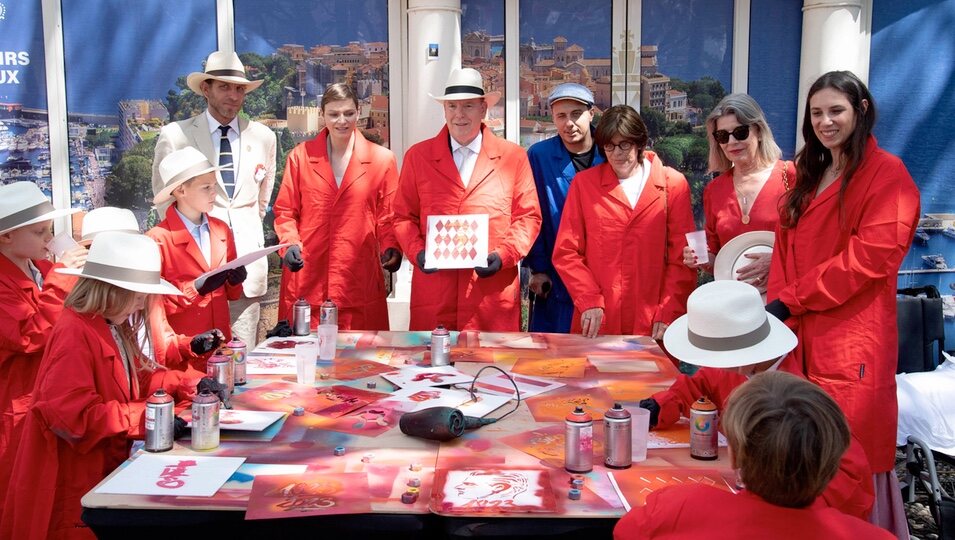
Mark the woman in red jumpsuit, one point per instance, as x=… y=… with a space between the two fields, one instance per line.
x=745 y=196
x=844 y=229
x=620 y=243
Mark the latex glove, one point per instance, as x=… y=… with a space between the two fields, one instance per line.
x=237 y=275
x=779 y=310
x=212 y=283
x=756 y=273
x=493 y=266
x=391 y=260
x=75 y=257
x=282 y=329
x=540 y=284
x=420 y=259
x=293 y=259
x=651 y=405
x=590 y=321
x=659 y=328
x=179 y=428
x=215 y=387
x=206 y=341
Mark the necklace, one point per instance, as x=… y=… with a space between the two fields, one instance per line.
x=744 y=200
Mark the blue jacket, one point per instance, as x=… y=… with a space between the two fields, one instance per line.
x=553 y=170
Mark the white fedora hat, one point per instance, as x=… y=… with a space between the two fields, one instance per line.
x=466 y=83
x=22 y=204
x=732 y=256
x=726 y=325
x=128 y=261
x=108 y=218
x=180 y=167
x=221 y=66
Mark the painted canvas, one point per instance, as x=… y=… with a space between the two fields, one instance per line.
x=284 y=345
x=350 y=370
x=565 y=367
x=238 y=420
x=273 y=364
x=492 y=491
x=675 y=436
x=170 y=474
x=528 y=386
x=317 y=494
x=555 y=406
x=636 y=484
x=338 y=400
x=419 y=377
x=456 y=241
x=511 y=340
x=547 y=443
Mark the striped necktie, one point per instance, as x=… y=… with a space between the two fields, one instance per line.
x=225 y=161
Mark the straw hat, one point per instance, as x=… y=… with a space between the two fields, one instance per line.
x=221 y=66
x=178 y=168
x=466 y=83
x=732 y=256
x=128 y=261
x=108 y=218
x=726 y=325
x=22 y=204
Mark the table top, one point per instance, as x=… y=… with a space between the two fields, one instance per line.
x=595 y=373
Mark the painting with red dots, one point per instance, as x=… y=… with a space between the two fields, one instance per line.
x=456 y=241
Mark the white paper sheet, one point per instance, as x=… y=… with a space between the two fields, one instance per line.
x=529 y=386
x=609 y=364
x=456 y=241
x=423 y=377
x=270 y=365
x=239 y=261
x=231 y=419
x=170 y=474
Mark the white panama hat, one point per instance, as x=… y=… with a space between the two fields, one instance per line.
x=128 y=261
x=726 y=325
x=22 y=204
x=108 y=218
x=732 y=256
x=221 y=66
x=178 y=168
x=466 y=83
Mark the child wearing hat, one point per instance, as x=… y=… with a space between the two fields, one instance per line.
x=192 y=243
x=786 y=438
x=728 y=333
x=31 y=299
x=89 y=400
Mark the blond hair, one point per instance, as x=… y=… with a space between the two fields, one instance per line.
x=787 y=437
x=749 y=113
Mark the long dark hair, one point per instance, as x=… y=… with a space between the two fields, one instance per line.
x=814 y=158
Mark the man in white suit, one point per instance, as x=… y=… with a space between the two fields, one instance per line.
x=246 y=185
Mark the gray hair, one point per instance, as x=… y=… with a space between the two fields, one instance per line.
x=748 y=112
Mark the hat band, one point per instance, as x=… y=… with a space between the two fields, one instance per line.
x=730 y=343
x=463 y=89
x=21 y=217
x=226 y=73
x=107 y=271
x=189 y=173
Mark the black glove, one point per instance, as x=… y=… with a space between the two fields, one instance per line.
x=212 y=283
x=179 y=428
x=282 y=329
x=208 y=384
x=420 y=258
x=391 y=260
x=293 y=259
x=493 y=266
x=779 y=310
x=206 y=341
x=651 y=405
x=236 y=275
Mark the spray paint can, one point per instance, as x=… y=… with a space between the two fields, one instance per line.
x=219 y=367
x=703 y=432
x=440 y=346
x=237 y=350
x=160 y=421
x=618 y=443
x=578 y=441
x=328 y=312
x=301 y=317
x=205 y=421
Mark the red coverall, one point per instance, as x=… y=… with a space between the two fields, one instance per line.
x=501 y=186
x=342 y=231
x=723 y=214
x=628 y=261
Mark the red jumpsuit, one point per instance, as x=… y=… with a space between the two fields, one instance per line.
x=501 y=186
x=837 y=272
x=182 y=263
x=628 y=261
x=850 y=491
x=724 y=216
x=83 y=414
x=693 y=512
x=342 y=230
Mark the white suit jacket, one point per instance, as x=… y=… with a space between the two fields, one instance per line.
x=254 y=181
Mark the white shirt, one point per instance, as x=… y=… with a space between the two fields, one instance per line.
x=37 y=275
x=216 y=136
x=466 y=165
x=200 y=233
x=633 y=186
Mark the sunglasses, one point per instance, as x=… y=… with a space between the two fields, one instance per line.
x=740 y=133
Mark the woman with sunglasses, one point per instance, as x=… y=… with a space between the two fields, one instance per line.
x=745 y=196
x=844 y=229
x=620 y=241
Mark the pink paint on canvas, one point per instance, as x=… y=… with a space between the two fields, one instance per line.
x=492 y=491
x=317 y=494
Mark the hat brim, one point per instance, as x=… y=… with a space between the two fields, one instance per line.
x=780 y=341
x=49 y=215
x=165 y=195
x=732 y=256
x=194 y=81
x=163 y=287
x=569 y=98
x=491 y=98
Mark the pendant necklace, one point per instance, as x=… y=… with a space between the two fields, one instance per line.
x=742 y=207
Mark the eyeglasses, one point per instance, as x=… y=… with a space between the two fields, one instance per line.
x=625 y=146
x=740 y=133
